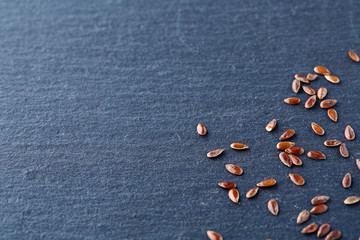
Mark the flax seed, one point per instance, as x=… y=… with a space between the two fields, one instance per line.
x=292 y=101
x=317 y=129
x=285 y=159
x=349 y=133
x=308 y=90
x=238 y=146
x=227 y=185
x=273 y=207
x=201 y=129
x=346 y=182
x=310 y=228
x=303 y=217
x=332 y=114
x=214 y=153
x=311 y=76
x=332 y=143
x=316 y=155
x=358 y=163
x=236 y=170
x=321 y=93
x=319 y=209
x=310 y=102
x=328 y=103
x=332 y=79
x=319 y=200
x=288 y=134
x=234 y=195
x=343 y=150
x=213 y=235
x=351 y=200
x=252 y=192
x=295 y=160
x=284 y=145
x=321 y=70
x=295 y=86
x=267 y=183
x=301 y=78
x=297 y=179
x=354 y=56
x=333 y=235
x=323 y=230
x=295 y=150
x=271 y=125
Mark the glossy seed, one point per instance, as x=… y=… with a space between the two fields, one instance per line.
x=357 y=161
x=285 y=159
x=310 y=228
x=284 y=145
x=332 y=143
x=354 y=56
x=295 y=160
x=238 y=146
x=310 y=102
x=288 y=134
x=343 y=150
x=295 y=150
x=303 y=217
x=323 y=230
x=349 y=133
x=321 y=93
x=332 y=114
x=297 y=179
x=311 y=76
x=271 y=125
x=319 y=200
x=273 y=207
x=292 y=101
x=236 y=170
x=214 y=153
x=295 y=86
x=234 y=195
x=227 y=185
x=308 y=90
x=316 y=155
x=252 y=192
x=346 y=182
x=213 y=235
x=201 y=129
x=332 y=79
x=321 y=70
x=301 y=78
x=328 y=103
x=351 y=200
x=267 y=183
x=319 y=209
x=333 y=235
x=317 y=129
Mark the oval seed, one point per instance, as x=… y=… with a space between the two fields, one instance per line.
x=252 y=192
x=267 y=183
x=292 y=101
x=316 y=155
x=333 y=114
x=295 y=150
x=285 y=159
x=346 y=182
x=295 y=160
x=271 y=125
x=311 y=76
x=321 y=93
x=273 y=207
x=303 y=217
x=201 y=129
x=317 y=129
x=227 y=185
x=310 y=102
x=332 y=143
x=351 y=200
x=358 y=163
x=301 y=78
x=295 y=86
x=319 y=209
x=234 y=195
x=323 y=230
x=332 y=79
x=354 y=56
x=297 y=179
x=308 y=90
x=213 y=235
x=310 y=228
x=284 y=145
x=238 y=146
x=349 y=133
x=334 y=235
x=319 y=200
x=328 y=103
x=236 y=170
x=343 y=150
x=288 y=134
x=214 y=153
x=321 y=70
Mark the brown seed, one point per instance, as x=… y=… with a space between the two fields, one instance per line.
x=288 y=134
x=308 y=90
x=328 y=103
x=343 y=150
x=267 y=183
x=310 y=228
x=285 y=159
x=201 y=129
x=349 y=133
x=227 y=185
x=311 y=76
x=297 y=179
x=295 y=160
x=213 y=235
x=321 y=70
x=310 y=102
x=332 y=143
x=319 y=209
x=346 y=182
x=317 y=129
x=295 y=150
x=234 y=195
x=214 y=153
x=236 y=170
x=295 y=86
x=351 y=200
x=301 y=78
x=303 y=216
x=332 y=79
x=284 y=145
x=292 y=101
x=333 y=235
x=321 y=93
x=333 y=114
x=271 y=125
x=273 y=207
x=354 y=56
x=316 y=155
x=323 y=230
x=358 y=163
x=319 y=200
x=252 y=192
x=238 y=146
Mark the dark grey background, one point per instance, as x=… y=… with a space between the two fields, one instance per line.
x=100 y=101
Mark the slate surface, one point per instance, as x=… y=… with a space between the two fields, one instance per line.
x=100 y=100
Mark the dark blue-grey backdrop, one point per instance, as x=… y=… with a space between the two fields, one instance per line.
x=100 y=101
